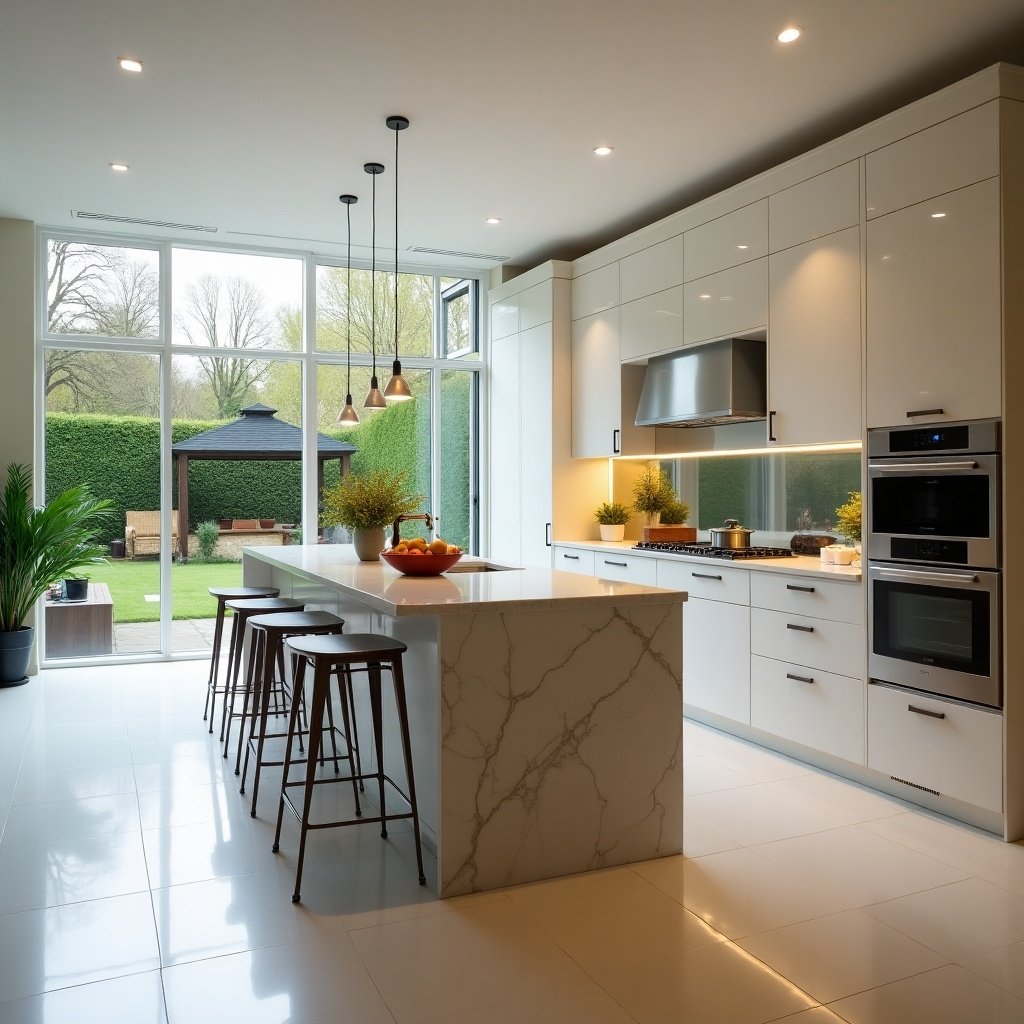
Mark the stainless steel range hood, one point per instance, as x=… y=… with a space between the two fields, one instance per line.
x=720 y=382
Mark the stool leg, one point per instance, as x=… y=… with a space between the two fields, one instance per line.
x=225 y=711
x=211 y=686
x=251 y=696
x=271 y=650
x=334 y=742
x=321 y=693
x=298 y=682
x=398 y=677
x=348 y=742
x=353 y=737
x=378 y=738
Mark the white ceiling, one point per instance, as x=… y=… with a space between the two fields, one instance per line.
x=251 y=116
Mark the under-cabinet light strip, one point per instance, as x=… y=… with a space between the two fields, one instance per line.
x=795 y=449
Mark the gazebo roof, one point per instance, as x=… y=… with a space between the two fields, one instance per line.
x=257 y=433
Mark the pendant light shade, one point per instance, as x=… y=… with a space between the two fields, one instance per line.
x=374 y=398
x=397 y=389
x=348 y=415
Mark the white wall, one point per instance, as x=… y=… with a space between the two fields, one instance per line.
x=17 y=341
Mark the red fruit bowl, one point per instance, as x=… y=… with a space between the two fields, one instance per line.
x=420 y=565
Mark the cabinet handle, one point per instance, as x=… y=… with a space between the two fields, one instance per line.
x=924 y=412
x=704 y=576
x=547 y=534
x=624 y=565
x=800 y=679
x=924 y=711
x=771 y=426
x=803 y=590
x=575 y=558
x=801 y=629
x=616 y=442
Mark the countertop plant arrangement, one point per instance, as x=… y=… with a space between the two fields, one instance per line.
x=369 y=501
x=612 y=513
x=653 y=493
x=849 y=517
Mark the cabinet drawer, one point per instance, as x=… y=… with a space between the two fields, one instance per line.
x=803 y=595
x=959 y=755
x=651 y=270
x=816 y=207
x=596 y=291
x=820 y=643
x=818 y=709
x=651 y=324
x=573 y=560
x=732 y=302
x=715 y=582
x=727 y=241
x=626 y=568
x=947 y=156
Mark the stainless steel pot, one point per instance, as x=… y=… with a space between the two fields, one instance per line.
x=732 y=535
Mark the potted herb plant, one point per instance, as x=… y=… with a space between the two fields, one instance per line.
x=652 y=493
x=849 y=517
x=675 y=512
x=39 y=547
x=611 y=519
x=367 y=503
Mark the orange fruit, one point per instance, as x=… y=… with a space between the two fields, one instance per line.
x=415 y=551
x=438 y=546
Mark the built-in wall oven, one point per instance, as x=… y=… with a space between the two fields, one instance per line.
x=933 y=548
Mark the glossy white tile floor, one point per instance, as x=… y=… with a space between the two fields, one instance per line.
x=135 y=888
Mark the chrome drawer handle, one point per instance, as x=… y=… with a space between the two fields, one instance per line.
x=801 y=629
x=624 y=565
x=800 y=679
x=705 y=576
x=575 y=558
x=803 y=590
x=923 y=711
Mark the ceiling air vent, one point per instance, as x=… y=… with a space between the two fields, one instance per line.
x=457 y=255
x=115 y=219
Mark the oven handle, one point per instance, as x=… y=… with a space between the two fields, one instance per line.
x=926 y=577
x=957 y=466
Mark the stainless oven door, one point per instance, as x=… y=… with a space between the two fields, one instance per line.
x=936 y=630
x=934 y=509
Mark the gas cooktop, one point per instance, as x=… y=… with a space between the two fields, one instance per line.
x=706 y=549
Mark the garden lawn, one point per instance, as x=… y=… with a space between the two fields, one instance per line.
x=130 y=582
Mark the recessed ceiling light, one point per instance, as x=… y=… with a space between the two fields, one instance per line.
x=493 y=220
x=789 y=34
x=129 y=64
x=602 y=150
x=119 y=167
x=704 y=296
x=742 y=246
x=936 y=216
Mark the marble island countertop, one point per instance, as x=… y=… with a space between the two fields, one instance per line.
x=387 y=590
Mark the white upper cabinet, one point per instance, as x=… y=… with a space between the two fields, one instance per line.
x=595 y=291
x=652 y=324
x=653 y=269
x=819 y=206
x=722 y=305
x=504 y=317
x=934 y=310
x=505 y=449
x=949 y=155
x=814 y=341
x=727 y=241
x=535 y=306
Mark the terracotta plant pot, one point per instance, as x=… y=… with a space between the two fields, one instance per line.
x=267 y=524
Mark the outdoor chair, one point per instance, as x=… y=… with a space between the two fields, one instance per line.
x=142 y=533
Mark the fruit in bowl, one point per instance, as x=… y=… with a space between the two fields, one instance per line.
x=416 y=557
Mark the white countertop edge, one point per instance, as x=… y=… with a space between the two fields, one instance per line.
x=803 y=565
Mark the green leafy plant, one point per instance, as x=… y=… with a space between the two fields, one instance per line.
x=612 y=513
x=675 y=512
x=207 y=535
x=39 y=546
x=368 y=501
x=653 y=491
x=849 y=517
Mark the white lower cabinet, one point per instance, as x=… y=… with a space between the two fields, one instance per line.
x=801 y=640
x=613 y=565
x=573 y=560
x=716 y=658
x=819 y=709
x=937 y=746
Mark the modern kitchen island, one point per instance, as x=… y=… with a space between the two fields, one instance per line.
x=545 y=708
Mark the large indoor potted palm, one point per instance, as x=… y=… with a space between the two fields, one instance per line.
x=39 y=547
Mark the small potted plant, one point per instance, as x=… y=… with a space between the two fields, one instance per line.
x=367 y=503
x=611 y=519
x=849 y=517
x=675 y=512
x=652 y=493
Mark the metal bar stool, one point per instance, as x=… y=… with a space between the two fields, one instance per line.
x=242 y=610
x=367 y=653
x=224 y=594
x=267 y=636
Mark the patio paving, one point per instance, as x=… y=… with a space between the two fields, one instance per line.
x=144 y=637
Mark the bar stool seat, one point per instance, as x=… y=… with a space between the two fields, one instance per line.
x=343 y=655
x=224 y=594
x=267 y=636
x=242 y=610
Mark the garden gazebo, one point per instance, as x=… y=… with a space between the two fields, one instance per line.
x=259 y=435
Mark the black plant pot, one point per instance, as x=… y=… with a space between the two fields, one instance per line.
x=15 y=653
x=76 y=588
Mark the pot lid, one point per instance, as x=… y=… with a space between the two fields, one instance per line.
x=731 y=526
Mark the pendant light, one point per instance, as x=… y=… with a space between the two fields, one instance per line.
x=374 y=399
x=397 y=389
x=348 y=415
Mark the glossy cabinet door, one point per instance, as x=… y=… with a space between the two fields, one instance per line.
x=535 y=306
x=726 y=304
x=934 y=310
x=535 y=433
x=651 y=325
x=504 y=317
x=727 y=241
x=653 y=269
x=595 y=291
x=814 y=341
x=716 y=658
x=950 y=155
x=819 y=206
x=596 y=387
x=505 y=456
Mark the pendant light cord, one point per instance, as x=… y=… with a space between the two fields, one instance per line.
x=373 y=275
x=348 y=299
x=396 y=243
